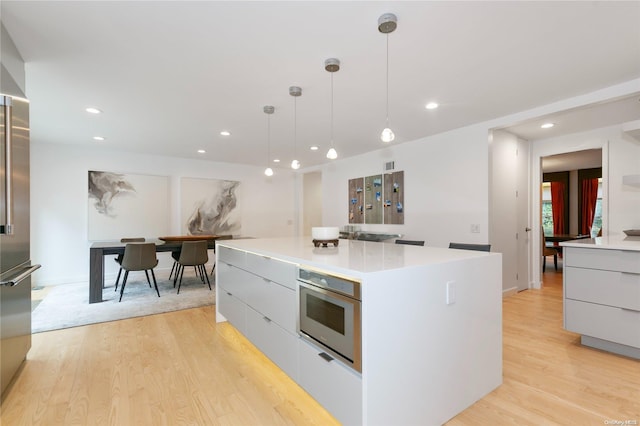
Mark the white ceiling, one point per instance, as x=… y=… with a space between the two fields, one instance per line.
x=170 y=76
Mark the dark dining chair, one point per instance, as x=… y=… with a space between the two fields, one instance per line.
x=411 y=242
x=193 y=253
x=118 y=258
x=548 y=251
x=139 y=257
x=466 y=246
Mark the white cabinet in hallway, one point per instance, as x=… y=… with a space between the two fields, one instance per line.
x=602 y=293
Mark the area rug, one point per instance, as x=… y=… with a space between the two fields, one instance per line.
x=68 y=305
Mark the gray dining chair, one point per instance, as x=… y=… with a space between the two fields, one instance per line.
x=139 y=257
x=193 y=253
x=466 y=246
x=118 y=258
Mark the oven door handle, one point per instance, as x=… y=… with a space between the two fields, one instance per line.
x=325 y=356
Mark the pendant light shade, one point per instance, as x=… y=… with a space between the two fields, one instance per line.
x=268 y=109
x=387 y=23
x=295 y=91
x=332 y=65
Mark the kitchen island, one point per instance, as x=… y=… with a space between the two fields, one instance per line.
x=602 y=293
x=430 y=332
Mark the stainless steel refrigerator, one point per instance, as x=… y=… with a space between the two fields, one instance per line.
x=15 y=254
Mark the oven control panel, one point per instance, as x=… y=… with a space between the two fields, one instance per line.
x=346 y=286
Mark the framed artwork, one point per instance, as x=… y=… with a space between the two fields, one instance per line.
x=127 y=205
x=394 y=198
x=209 y=207
x=373 y=199
x=356 y=200
x=377 y=199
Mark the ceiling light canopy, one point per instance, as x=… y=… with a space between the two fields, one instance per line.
x=387 y=23
x=547 y=125
x=432 y=105
x=332 y=65
x=98 y=138
x=93 y=110
x=225 y=133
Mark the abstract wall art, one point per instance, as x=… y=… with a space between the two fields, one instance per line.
x=210 y=206
x=127 y=205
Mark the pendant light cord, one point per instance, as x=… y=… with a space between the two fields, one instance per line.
x=387 y=79
x=268 y=139
x=332 y=110
x=295 y=124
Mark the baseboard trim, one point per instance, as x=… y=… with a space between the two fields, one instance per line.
x=509 y=292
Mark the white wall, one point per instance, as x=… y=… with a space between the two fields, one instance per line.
x=59 y=202
x=446 y=186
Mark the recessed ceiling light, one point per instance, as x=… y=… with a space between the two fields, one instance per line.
x=547 y=125
x=313 y=148
x=98 y=138
x=225 y=133
x=276 y=160
x=93 y=110
x=432 y=105
x=201 y=151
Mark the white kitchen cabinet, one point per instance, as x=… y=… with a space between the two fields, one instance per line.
x=334 y=386
x=260 y=308
x=233 y=309
x=420 y=364
x=276 y=343
x=231 y=257
x=272 y=269
x=602 y=298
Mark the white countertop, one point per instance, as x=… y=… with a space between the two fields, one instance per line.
x=618 y=242
x=351 y=255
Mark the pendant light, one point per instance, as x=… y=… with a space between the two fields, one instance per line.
x=268 y=109
x=332 y=65
x=387 y=23
x=295 y=91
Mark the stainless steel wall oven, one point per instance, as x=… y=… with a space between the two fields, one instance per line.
x=329 y=315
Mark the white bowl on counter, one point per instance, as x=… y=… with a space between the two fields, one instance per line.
x=323 y=233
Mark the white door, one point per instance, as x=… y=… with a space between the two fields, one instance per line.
x=523 y=232
x=509 y=183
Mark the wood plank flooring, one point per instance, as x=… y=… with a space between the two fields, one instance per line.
x=181 y=368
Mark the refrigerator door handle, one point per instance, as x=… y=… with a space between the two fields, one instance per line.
x=20 y=277
x=7 y=227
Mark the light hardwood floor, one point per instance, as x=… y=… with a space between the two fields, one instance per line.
x=182 y=368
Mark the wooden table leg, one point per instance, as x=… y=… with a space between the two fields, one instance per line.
x=96 y=274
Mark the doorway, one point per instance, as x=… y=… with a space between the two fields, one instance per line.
x=566 y=198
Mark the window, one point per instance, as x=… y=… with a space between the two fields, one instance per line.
x=547 y=214
x=596 y=226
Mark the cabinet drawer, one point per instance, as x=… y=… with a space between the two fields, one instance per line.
x=604 y=322
x=232 y=279
x=275 y=270
x=232 y=256
x=336 y=387
x=610 y=260
x=233 y=310
x=276 y=302
x=277 y=344
x=271 y=299
x=618 y=289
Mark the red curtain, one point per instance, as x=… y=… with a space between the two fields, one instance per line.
x=588 y=208
x=557 y=207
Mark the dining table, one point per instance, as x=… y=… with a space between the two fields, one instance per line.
x=559 y=238
x=99 y=249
